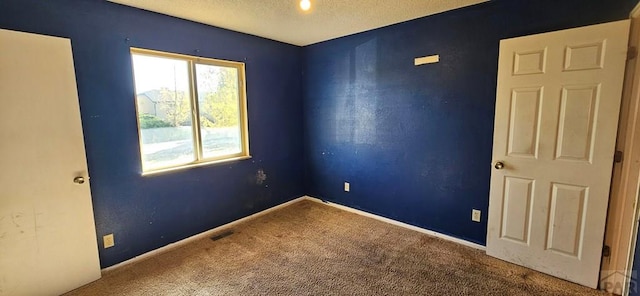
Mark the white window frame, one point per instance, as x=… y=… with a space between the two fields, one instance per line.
x=195 y=114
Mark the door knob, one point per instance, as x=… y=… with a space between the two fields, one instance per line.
x=78 y=180
x=499 y=165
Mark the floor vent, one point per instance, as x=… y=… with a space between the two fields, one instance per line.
x=222 y=235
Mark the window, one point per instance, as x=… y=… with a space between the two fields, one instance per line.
x=191 y=110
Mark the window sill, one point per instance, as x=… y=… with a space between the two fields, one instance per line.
x=193 y=165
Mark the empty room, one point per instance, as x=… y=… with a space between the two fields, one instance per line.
x=319 y=147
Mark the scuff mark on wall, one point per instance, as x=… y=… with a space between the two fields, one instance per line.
x=260 y=177
x=36 y=215
x=264 y=194
x=3 y=285
x=3 y=229
x=18 y=220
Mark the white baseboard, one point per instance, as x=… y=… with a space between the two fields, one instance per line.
x=209 y=233
x=199 y=236
x=398 y=223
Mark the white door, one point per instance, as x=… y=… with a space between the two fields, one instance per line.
x=47 y=232
x=557 y=106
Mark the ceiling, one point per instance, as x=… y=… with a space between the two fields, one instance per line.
x=283 y=20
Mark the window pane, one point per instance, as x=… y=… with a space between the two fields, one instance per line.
x=219 y=106
x=164 y=111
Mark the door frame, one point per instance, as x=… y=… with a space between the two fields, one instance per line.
x=622 y=217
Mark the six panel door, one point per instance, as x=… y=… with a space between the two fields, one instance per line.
x=557 y=107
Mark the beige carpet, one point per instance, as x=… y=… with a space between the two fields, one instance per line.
x=313 y=249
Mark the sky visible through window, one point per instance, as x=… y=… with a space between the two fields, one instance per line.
x=155 y=73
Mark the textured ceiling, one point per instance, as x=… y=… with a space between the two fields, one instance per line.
x=283 y=20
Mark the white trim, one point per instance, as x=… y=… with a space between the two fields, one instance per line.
x=398 y=223
x=622 y=214
x=199 y=236
x=196 y=164
x=636 y=11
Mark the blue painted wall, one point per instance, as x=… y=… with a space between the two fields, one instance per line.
x=634 y=286
x=415 y=143
x=149 y=212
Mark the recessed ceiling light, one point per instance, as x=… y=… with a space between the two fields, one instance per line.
x=305 y=5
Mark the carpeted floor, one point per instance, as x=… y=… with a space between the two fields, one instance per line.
x=313 y=249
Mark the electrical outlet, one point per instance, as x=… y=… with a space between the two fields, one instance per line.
x=475 y=215
x=108 y=240
x=346 y=186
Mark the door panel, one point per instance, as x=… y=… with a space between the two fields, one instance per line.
x=523 y=127
x=566 y=219
x=47 y=231
x=517 y=209
x=557 y=105
x=577 y=122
